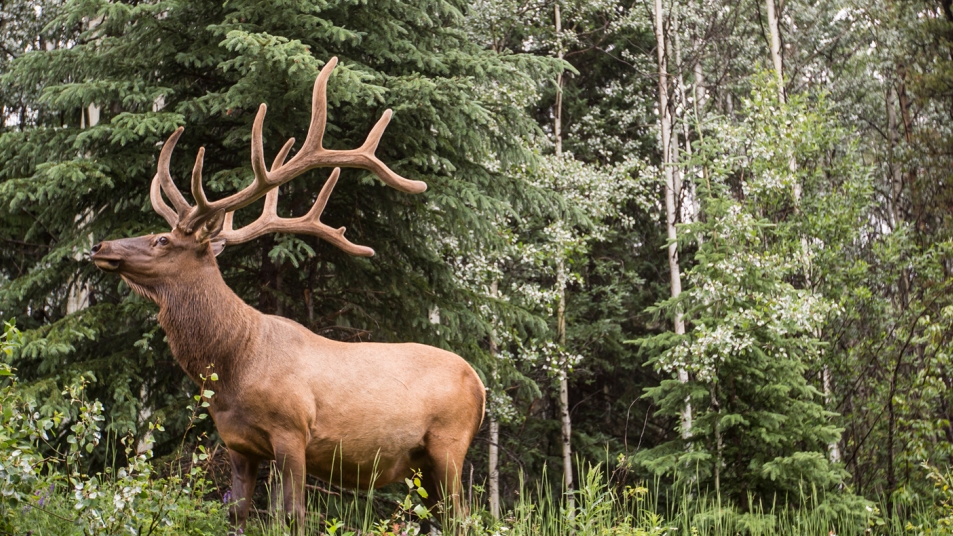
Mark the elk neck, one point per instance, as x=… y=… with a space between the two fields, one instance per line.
x=206 y=324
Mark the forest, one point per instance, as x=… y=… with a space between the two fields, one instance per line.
x=700 y=254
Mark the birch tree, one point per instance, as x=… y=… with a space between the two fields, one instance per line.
x=564 y=417
x=671 y=193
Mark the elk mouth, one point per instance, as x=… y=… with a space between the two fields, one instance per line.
x=106 y=265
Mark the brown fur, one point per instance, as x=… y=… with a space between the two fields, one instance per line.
x=334 y=410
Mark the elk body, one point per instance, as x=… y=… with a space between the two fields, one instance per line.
x=359 y=413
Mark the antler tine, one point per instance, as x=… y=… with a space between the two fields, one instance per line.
x=271 y=198
x=322 y=201
x=319 y=108
x=368 y=160
x=255 y=229
x=260 y=185
x=282 y=154
x=257 y=151
x=155 y=194
x=163 y=179
x=198 y=192
x=312 y=155
x=310 y=223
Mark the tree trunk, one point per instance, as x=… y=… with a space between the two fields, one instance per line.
x=267 y=301
x=701 y=95
x=558 y=120
x=494 y=455
x=564 y=390
x=776 y=47
x=904 y=102
x=833 y=448
x=665 y=124
x=891 y=432
x=494 y=468
x=896 y=174
x=78 y=298
x=719 y=448
x=699 y=101
x=561 y=281
x=688 y=200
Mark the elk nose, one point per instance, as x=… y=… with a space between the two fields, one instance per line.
x=97 y=247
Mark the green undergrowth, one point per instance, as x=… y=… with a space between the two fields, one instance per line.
x=56 y=488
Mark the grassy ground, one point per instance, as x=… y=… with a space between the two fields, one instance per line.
x=176 y=507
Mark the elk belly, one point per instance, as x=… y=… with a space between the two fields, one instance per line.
x=353 y=464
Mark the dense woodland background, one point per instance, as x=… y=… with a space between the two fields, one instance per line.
x=808 y=184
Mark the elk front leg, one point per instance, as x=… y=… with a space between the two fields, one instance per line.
x=290 y=460
x=244 y=476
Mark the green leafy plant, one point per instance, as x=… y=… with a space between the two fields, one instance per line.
x=39 y=482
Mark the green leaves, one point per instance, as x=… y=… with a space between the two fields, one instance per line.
x=754 y=307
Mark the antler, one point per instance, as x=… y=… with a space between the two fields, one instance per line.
x=312 y=155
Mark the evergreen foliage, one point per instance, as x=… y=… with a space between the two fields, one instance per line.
x=153 y=67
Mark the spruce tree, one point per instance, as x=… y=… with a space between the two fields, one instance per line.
x=152 y=67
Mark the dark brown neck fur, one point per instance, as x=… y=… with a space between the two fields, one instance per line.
x=206 y=324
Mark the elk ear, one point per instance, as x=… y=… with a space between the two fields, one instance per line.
x=210 y=226
x=218 y=245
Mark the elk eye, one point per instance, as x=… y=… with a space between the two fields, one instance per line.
x=163 y=241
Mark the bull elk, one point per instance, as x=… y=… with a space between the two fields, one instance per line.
x=368 y=413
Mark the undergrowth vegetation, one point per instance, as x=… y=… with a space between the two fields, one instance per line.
x=104 y=486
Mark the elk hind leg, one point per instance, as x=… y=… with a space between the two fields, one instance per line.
x=445 y=476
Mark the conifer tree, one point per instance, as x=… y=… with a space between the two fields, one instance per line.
x=152 y=67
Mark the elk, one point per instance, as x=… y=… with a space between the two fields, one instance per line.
x=366 y=413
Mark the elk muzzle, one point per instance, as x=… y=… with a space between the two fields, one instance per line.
x=104 y=258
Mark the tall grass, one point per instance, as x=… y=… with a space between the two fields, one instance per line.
x=603 y=508
x=607 y=508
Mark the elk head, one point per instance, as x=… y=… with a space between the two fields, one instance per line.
x=202 y=231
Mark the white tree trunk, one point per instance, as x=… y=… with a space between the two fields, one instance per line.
x=719 y=445
x=561 y=281
x=494 y=454
x=699 y=100
x=701 y=95
x=564 y=391
x=833 y=448
x=494 y=468
x=665 y=124
x=686 y=190
x=776 y=46
x=567 y=444
x=78 y=298
x=558 y=120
